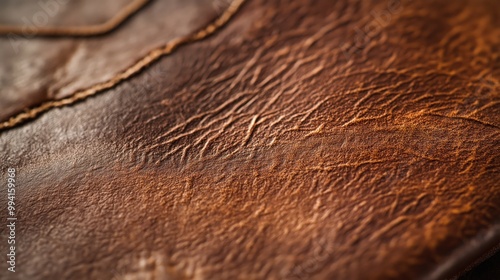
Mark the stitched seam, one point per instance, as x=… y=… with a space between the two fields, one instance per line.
x=151 y=57
x=90 y=30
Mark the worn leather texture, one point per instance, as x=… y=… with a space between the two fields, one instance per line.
x=308 y=139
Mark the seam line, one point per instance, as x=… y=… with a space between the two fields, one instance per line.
x=89 y=30
x=151 y=57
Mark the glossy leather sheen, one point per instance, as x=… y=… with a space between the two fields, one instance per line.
x=308 y=139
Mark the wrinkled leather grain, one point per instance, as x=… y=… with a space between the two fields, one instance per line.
x=287 y=146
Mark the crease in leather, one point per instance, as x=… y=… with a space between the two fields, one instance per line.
x=89 y=30
x=387 y=197
x=151 y=57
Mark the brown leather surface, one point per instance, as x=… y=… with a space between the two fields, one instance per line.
x=39 y=69
x=56 y=13
x=287 y=146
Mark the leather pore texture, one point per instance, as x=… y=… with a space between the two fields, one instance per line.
x=308 y=139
